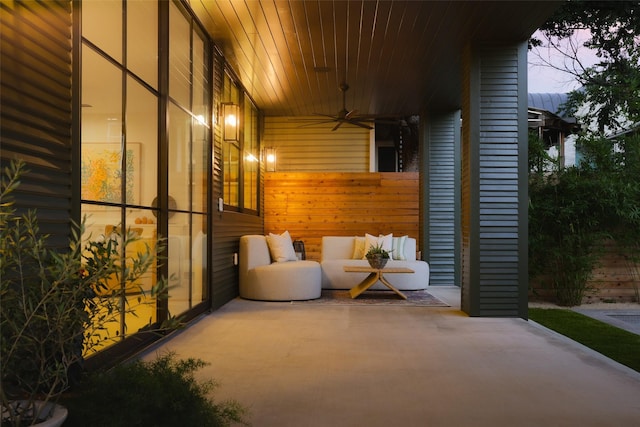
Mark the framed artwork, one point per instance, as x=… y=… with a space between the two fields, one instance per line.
x=102 y=173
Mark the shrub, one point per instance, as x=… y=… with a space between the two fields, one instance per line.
x=163 y=392
x=50 y=316
x=572 y=212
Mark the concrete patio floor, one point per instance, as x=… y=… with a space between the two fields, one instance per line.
x=319 y=365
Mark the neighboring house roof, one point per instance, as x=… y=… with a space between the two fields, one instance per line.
x=550 y=102
x=544 y=111
x=632 y=130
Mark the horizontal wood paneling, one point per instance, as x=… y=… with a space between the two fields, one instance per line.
x=312 y=205
x=614 y=279
x=302 y=145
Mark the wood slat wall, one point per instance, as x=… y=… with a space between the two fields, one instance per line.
x=312 y=205
x=614 y=279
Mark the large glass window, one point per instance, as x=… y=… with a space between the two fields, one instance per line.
x=119 y=152
x=240 y=151
x=125 y=173
x=251 y=156
x=142 y=40
x=188 y=145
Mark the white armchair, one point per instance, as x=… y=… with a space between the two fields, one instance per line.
x=262 y=279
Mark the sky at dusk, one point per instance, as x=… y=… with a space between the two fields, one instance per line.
x=544 y=78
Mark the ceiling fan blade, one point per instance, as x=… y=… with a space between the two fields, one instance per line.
x=350 y=114
x=325 y=115
x=337 y=126
x=315 y=123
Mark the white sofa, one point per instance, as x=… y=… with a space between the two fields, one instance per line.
x=262 y=279
x=337 y=252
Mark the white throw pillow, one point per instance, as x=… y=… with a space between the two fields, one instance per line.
x=398 y=248
x=281 y=247
x=385 y=241
x=358 y=248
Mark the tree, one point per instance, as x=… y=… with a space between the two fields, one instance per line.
x=611 y=87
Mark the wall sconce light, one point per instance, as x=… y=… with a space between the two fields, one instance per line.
x=270 y=159
x=231 y=122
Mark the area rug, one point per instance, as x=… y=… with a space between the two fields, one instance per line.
x=340 y=297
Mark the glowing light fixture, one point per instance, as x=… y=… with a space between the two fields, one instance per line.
x=231 y=122
x=270 y=159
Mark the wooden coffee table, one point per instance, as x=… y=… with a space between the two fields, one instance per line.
x=375 y=274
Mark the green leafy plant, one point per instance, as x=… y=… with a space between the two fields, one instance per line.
x=51 y=314
x=377 y=250
x=162 y=392
x=575 y=211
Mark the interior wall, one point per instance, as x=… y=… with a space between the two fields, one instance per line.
x=312 y=205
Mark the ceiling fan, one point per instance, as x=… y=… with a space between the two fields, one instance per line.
x=345 y=116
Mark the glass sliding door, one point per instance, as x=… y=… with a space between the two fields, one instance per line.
x=130 y=162
x=189 y=157
x=119 y=148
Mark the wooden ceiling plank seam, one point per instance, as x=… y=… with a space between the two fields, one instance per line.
x=352 y=57
x=255 y=37
x=301 y=51
x=326 y=79
x=270 y=45
x=367 y=21
x=314 y=26
x=295 y=52
x=437 y=44
x=368 y=83
x=275 y=21
x=255 y=62
x=390 y=45
x=415 y=40
x=336 y=51
x=234 y=60
x=378 y=37
x=281 y=11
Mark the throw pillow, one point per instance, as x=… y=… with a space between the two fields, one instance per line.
x=281 y=247
x=385 y=241
x=358 y=248
x=398 y=248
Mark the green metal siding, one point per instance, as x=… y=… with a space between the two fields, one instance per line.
x=497 y=211
x=440 y=207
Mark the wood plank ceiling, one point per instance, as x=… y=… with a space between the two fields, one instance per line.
x=397 y=56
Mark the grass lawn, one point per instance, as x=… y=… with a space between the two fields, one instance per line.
x=615 y=343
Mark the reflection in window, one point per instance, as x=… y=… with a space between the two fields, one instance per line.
x=121 y=140
x=241 y=158
x=188 y=160
x=251 y=156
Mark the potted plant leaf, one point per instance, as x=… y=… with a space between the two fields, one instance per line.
x=50 y=315
x=377 y=256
